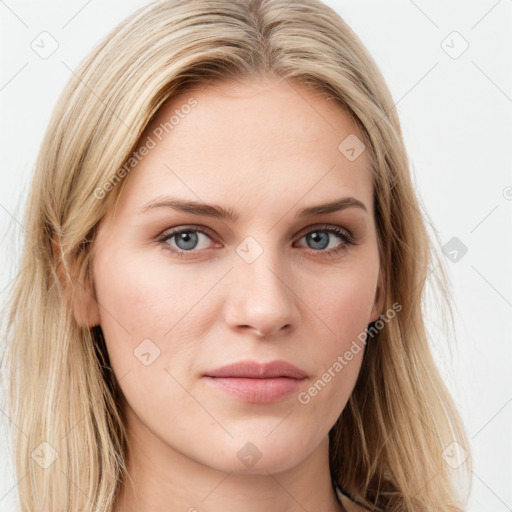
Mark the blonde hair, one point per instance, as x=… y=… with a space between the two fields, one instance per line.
x=386 y=449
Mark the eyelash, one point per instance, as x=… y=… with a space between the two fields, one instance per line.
x=346 y=238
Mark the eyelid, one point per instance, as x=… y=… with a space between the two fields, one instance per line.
x=186 y=227
x=324 y=226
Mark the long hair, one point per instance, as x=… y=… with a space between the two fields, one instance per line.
x=388 y=447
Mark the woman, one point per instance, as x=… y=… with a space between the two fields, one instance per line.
x=220 y=303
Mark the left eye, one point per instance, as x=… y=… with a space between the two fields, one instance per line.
x=319 y=238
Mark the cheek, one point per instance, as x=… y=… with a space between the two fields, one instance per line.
x=147 y=311
x=150 y=310
x=343 y=302
x=345 y=308
x=144 y=295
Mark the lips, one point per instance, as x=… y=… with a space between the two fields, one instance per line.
x=254 y=370
x=254 y=382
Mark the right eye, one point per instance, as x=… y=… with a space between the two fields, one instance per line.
x=185 y=239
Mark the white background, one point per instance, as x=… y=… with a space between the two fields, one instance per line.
x=456 y=119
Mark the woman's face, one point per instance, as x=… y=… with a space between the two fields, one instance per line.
x=264 y=275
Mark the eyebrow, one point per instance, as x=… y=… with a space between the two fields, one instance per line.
x=210 y=210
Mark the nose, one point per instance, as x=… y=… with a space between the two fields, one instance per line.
x=261 y=297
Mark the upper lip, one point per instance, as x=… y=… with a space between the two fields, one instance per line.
x=255 y=370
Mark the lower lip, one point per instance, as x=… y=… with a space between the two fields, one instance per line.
x=260 y=391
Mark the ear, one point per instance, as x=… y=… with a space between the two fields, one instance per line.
x=79 y=292
x=378 y=304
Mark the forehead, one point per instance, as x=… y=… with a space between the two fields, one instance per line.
x=250 y=143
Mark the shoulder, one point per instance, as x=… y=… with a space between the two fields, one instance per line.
x=348 y=504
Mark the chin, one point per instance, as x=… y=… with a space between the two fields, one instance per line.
x=258 y=454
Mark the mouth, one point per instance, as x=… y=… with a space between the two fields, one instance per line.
x=254 y=382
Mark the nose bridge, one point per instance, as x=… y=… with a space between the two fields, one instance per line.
x=263 y=299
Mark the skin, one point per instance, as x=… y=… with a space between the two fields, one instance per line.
x=265 y=150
